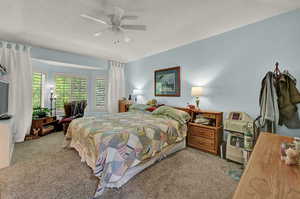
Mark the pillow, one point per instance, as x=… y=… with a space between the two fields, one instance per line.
x=138 y=107
x=152 y=102
x=151 y=109
x=173 y=113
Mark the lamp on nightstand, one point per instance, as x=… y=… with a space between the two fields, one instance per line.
x=197 y=92
x=136 y=93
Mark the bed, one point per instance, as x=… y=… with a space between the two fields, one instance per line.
x=119 y=146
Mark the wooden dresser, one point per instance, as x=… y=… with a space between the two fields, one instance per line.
x=206 y=137
x=266 y=176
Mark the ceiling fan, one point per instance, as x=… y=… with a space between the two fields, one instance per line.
x=114 y=23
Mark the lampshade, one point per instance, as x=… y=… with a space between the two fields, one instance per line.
x=197 y=91
x=137 y=92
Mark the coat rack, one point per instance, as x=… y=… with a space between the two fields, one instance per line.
x=277 y=71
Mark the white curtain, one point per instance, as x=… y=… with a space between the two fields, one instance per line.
x=116 y=85
x=17 y=59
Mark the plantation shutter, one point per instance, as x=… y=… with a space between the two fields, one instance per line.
x=37 y=80
x=100 y=93
x=68 y=89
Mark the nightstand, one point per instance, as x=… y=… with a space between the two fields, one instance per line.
x=124 y=105
x=206 y=137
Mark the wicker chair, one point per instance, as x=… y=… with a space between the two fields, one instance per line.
x=73 y=110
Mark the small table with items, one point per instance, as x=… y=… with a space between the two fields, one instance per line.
x=43 y=126
x=205 y=130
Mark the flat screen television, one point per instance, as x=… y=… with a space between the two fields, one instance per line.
x=4 y=87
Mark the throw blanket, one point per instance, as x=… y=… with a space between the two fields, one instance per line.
x=112 y=144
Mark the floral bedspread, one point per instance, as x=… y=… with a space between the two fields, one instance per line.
x=113 y=143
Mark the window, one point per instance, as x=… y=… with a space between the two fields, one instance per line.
x=68 y=88
x=100 y=94
x=37 y=90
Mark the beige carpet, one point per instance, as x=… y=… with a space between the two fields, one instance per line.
x=41 y=169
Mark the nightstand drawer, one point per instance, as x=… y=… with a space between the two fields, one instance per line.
x=201 y=143
x=201 y=132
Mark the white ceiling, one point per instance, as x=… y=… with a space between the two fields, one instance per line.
x=56 y=24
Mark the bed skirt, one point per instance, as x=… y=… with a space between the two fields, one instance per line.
x=130 y=173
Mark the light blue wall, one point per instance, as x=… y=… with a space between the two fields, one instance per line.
x=229 y=66
x=51 y=70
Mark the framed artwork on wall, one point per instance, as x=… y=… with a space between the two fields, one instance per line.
x=167 y=82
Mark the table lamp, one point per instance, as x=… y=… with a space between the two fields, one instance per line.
x=197 y=92
x=136 y=93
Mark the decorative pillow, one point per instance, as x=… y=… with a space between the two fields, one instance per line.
x=152 y=102
x=138 y=107
x=68 y=119
x=173 y=113
x=151 y=109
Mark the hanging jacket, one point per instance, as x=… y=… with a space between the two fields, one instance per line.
x=288 y=98
x=269 y=113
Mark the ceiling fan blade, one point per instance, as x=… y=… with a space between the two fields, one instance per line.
x=134 y=27
x=92 y=18
x=101 y=32
x=130 y=17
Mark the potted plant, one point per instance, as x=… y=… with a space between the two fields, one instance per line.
x=40 y=112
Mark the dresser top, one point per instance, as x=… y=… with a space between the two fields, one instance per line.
x=206 y=111
x=199 y=110
x=266 y=176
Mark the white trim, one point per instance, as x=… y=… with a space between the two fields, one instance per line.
x=64 y=64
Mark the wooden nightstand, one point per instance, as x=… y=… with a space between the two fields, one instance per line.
x=124 y=105
x=206 y=137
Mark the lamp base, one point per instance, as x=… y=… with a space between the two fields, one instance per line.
x=197 y=102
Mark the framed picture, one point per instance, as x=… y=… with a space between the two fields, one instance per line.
x=167 y=82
